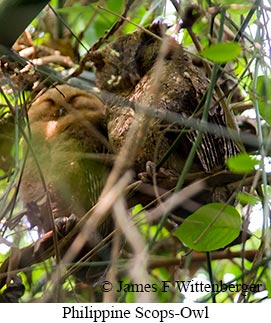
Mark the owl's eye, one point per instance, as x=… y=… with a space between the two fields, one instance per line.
x=61 y=112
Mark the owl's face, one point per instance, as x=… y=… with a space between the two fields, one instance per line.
x=68 y=112
x=63 y=100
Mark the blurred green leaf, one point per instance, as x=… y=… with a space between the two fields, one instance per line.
x=222 y=52
x=247 y=198
x=268 y=284
x=74 y=10
x=264 y=97
x=242 y=163
x=211 y=227
x=137 y=209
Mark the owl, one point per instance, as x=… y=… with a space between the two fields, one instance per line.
x=66 y=127
x=66 y=166
x=164 y=80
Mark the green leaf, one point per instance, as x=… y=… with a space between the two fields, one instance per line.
x=246 y=198
x=264 y=97
x=222 y=52
x=137 y=209
x=211 y=227
x=242 y=163
x=268 y=284
x=73 y=10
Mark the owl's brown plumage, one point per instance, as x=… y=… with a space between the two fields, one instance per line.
x=169 y=82
x=67 y=126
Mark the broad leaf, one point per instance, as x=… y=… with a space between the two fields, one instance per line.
x=242 y=163
x=211 y=227
x=222 y=52
x=247 y=198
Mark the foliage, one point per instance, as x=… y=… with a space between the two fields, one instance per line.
x=222 y=52
x=211 y=227
x=57 y=43
x=242 y=163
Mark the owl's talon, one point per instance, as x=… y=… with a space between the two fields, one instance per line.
x=65 y=224
x=161 y=174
